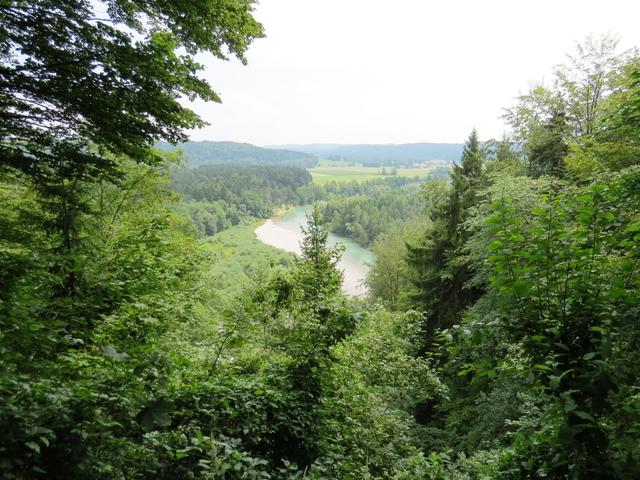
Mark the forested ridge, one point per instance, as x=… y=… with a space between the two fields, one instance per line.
x=215 y=153
x=375 y=155
x=146 y=333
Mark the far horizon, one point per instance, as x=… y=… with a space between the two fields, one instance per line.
x=332 y=144
x=350 y=84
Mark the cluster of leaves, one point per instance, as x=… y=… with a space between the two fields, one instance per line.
x=141 y=358
x=441 y=268
x=527 y=275
x=389 y=279
x=565 y=274
x=210 y=218
x=308 y=384
x=109 y=73
x=120 y=357
x=81 y=368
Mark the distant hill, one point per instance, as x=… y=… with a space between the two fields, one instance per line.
x=211 y=153
x=375 y=155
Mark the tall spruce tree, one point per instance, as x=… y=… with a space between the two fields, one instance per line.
x=547 y=148
x=319 y=261
x=440 y=268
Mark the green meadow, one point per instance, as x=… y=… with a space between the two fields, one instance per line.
x=324 y=174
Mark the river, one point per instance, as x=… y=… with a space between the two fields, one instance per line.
x=283 y=231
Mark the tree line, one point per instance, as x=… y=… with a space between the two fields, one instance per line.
x=215 y=153
x=526 y=273
x=364 y=217
x=218 y=197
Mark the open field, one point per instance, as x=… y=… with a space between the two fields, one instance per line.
x=325 y=174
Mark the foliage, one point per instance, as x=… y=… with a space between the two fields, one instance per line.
x=246 y=191
x=78 y=323
x=441 y=269
x=107 y=73
x=375 y=383
x=209 y=218
x=364 y=217
x=315 y=192
x=575 y=122
x=130 y=349
x=540 y=363
x=389 y=279
x=239 y=258
x=565 y=276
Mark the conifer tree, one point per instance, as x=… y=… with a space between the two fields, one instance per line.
x=319 y=262
x=440 y=269
x=548 y=149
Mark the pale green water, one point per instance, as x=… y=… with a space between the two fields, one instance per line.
x=284 y=232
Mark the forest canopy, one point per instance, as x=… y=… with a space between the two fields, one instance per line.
x=146 y=333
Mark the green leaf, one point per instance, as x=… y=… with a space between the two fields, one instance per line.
x=495 y=245
x=157 y=414
x=33 y=446
x=584 y=415
x=543 y=367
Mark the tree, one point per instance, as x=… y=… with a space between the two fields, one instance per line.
x=548 y=149
x=93 y=262
x=504 y=156
x=628 y=119
x=572 y=122
x=585 y=82
x=388 y=277
x=465 y=181
x=440 y=267
x=80 y=78
x=318 y=260
x=563 y=276
x=87 y=86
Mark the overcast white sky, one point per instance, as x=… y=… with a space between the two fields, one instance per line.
x=382 y=71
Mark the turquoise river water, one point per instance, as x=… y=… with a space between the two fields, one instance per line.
x=283 y=231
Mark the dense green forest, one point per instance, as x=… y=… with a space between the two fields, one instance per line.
x=500 y=338
x=251 y=190
x=215 y=153
x=221 y=196
x=527 y=276
x=364 y=217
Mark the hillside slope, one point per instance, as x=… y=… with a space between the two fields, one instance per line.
x=375 y=155
x=211 y=153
